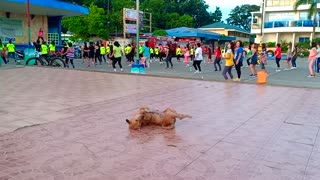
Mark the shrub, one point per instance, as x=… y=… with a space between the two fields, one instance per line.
x=304 y=45
x=284 y=45
x=271 y=44
x=305 y=53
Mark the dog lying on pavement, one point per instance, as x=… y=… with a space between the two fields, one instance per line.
x=144 y=117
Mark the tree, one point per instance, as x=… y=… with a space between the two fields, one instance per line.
x=216 y=16
x=312 y=12
x=174 y=20
x=87 y=26
x=191 y=13
x=159 y=32
x=241 y=16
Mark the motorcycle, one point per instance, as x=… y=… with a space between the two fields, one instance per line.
x=19 y=55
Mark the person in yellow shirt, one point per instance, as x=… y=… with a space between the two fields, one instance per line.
x=11 y=48
x=151 y=53
x=44 y=50
x=108 y=52
x=140 y=51
x=52 y=48
x=156 y=52
x=103 y=52
x=178 y=53
x=127 y=51
x=192 y=53
x=229 y=55
x=3 y=53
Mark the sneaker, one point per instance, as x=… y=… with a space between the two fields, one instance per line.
x=236 y=79
x=121 y=70
x=311 y=76
x=293 y=68
x=196 y=72
x=115 y=70
x=278 y=70
x=251 y=75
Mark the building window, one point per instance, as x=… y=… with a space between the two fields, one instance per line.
x=231 y=33
x=53 y=37
x=303 y=16
x=304 y=39
x=281 y=16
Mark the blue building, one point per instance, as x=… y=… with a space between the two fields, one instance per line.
x=45 y=14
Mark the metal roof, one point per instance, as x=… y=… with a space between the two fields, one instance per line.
x=43 y=7
x=192 y=32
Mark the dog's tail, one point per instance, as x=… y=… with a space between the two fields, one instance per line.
x=182 y=116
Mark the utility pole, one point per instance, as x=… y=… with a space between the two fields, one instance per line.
x=29 y=22
x=262 y=19
x=137 y=28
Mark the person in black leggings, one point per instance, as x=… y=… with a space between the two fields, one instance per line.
x=198 y=59
x=278 y=56
x=239 y=58
x=169 y=54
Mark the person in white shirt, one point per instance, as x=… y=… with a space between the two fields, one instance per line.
x=198 y=59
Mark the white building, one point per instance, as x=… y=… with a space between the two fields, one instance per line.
x=281 y=23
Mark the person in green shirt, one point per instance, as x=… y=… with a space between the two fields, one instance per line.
x=3 y=53
x=249 y=54
x=52 y=48
x=103 y=52
x=140 y=51
x=116 y=56
x=44 y=50
x=11 y=50
x=151 y=53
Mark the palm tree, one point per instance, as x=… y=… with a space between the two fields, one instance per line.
x=312 y=11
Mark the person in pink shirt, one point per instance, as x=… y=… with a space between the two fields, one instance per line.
x=40 y=34
x=217 y=54
x=186 y=55
x=312 y=57
x=278 y=55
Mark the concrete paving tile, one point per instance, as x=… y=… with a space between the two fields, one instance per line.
x=238 y=131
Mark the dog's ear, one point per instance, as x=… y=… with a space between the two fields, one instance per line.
x=144 y=109
x=127 y=120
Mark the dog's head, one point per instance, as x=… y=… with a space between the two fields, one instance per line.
x=136 y=121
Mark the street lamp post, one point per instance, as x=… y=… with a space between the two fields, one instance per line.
x=137 y=28
x=29 y=22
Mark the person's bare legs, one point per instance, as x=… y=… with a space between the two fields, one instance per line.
x=310 y=67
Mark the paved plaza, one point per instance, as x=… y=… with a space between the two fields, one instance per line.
x=58 y=124
x=292 y=78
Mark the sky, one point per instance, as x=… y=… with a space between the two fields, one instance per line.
x=227 y=5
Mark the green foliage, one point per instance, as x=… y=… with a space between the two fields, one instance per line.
x=174 y=20
x=271 y=44
x=191 y=13
x=88 y=26
x=216 y=15
x=246 y=43
x=312 y=11
x=159 y=32
x=305 y=52
x=284 y=45
x=241 y=16
x=304 y=45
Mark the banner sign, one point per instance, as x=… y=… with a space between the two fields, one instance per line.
x=10 y=29
x=131 y=28
x=131 y=15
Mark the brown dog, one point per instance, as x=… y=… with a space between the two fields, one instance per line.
x=144 y=116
